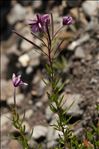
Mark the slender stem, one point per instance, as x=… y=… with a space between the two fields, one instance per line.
x=49 y=38
x=14 y=97
x=49 y=48
x=58 y=46
x=31 y=42
x=27 y=40
x=52 y=23
x=58 y=106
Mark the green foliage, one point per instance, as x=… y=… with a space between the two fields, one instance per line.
x=18 y=124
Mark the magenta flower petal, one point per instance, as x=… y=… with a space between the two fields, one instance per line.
x=13 y=77
x=23 y=83
x=45 y=19
x=16 y=80
x=67 y=20
x=39 y=24
x=30 y=22
x=35 y=27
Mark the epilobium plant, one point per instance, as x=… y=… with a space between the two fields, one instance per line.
x=44 y=24
x=16 y=120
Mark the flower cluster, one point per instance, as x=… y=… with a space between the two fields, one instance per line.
x=42 y=21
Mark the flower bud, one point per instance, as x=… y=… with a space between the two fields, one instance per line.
x=67 y=20
x=16 y=80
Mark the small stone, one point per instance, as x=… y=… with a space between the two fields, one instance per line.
x=19 y=99
x=48 y=113
x=17 y=14
x=93 y=81
x=5 y=118
x=41 y=87
x=34 y=57
x=90 y=7
x=88 y=57
x=29 y=70
x=74 y=100
x=28 y=113
x=37 y=4
x=50 y=137
x=26 y=46
x=76 y=43
x=39 y=104
x=39 y=131
x=24 y=60
x=79 y=53
x=96 y=66
x=30 y=59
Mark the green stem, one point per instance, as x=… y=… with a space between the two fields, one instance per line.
x=14 y=97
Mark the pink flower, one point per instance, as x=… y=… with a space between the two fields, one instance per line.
x=40 y=23
x=16 y=80
x=67 y=20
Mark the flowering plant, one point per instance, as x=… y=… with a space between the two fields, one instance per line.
x=45 y=24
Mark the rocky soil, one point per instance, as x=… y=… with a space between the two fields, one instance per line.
x=77 y=64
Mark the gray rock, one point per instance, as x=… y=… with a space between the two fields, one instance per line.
x=39 y=131
x=17 y=13
x=30 y=59
x=28 y=113
x=51 y=137
x=37 y=4
x=90 y=7
x=24 y=60
x=26 y=46
x=71 y=102
x=19 y=99
x=77 y=42
x=5 y=119
x=29 y=70
x=93 y=81
x=92 y=25
x=79 y=53
x=41 y=88
x=39 y=104
x=48 y=113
